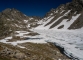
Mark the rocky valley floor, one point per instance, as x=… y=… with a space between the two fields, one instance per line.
x=32 y=51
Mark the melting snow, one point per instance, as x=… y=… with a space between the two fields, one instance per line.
x=28 y=25
x=21 y=46
x=72 y=40
x=51 y=14
x=31 y=18
x=22 y=34
x=25 y=21
x=42 y=26
x=56 y=11
x=48 y=26
x=66 y=23
x=62 y=11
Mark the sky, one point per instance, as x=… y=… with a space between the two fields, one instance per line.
x=32 y=7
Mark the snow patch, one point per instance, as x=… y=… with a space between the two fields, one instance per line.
x=66 y=23
x=43 y=26
x=62 y=11
x=8 y=19
x=25 y=21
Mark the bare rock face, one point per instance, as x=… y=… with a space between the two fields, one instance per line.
x=78 y=6
x=75 y=5
x=19 y=55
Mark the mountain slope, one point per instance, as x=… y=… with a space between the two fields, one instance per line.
x=68 y=16
x=12 y=20
x=21 y=44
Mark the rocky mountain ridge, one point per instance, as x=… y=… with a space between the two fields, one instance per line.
x=12 y=20
x=66 y=16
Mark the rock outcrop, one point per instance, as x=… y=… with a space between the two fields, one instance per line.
x=12 y=54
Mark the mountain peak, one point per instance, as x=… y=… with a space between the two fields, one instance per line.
x=6 y=10
x=9 y=10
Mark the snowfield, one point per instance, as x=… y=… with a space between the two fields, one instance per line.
x=21 y=34
x=70 y=40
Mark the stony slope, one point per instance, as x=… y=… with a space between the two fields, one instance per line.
x=12 y=20
x=31 y=52
x=66 y=16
